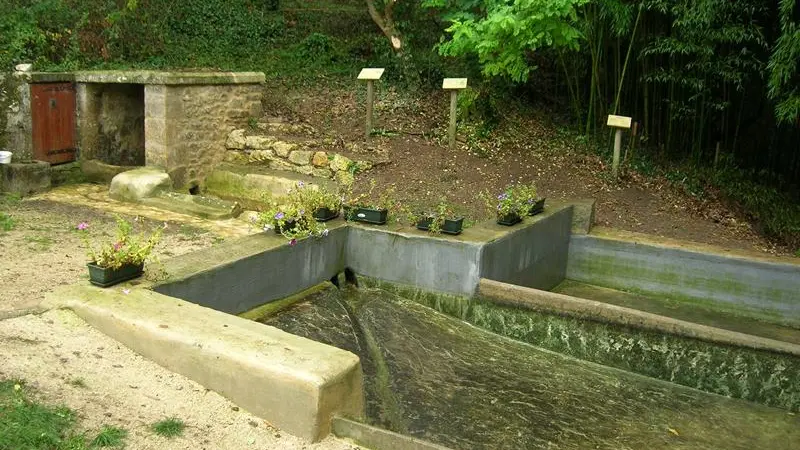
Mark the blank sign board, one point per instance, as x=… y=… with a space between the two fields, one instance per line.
x=454 y=83
x=370 y=74
x=619 y=121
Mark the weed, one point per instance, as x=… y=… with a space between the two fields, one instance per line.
x=40 y=243
x=170 y=427
x=110 y=437
x=77 y=382
x=29 y=425
x=6 y=222
x=252 y=123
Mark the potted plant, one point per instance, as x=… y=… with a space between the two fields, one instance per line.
x=361 y=208
x=528 y=195
x=324 y=204
x=121 y=259
x=509 y=206
x=293 y=218
x=442 y=220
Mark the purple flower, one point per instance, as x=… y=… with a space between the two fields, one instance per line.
x=300 y=184
x=302 y=211
x=293 y=242
x=117 y=246
x=502 y=196
x=82 y=226
x=279 y=216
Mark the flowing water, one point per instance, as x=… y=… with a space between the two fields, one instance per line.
x=437 y=378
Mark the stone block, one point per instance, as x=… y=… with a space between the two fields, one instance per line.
x=99 y=172
x=25 y=178
x=279 y=164
x=583 y=216
x=282 y=149
x=320 y=159
x=134 y=185
x=236 y=140
x=305 y=170
x=322 y=172
x=344 y=178
x=300 y=157
x=260 y=156
x=363 y=166
x=235 y=157
x=258 y=142
x=340 y=163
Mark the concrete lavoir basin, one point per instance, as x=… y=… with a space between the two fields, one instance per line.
x=444 y=273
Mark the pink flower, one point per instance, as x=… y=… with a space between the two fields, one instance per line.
x=126 y=291
x=82 y=226
x=293 y=242
x=117 y=246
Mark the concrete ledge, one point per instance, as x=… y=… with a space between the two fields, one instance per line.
x=378 y=438
x=754 y=285
x=535 y=299
x=150 y=77
x=292 y=382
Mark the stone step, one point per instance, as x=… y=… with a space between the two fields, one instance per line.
x=195 y=205
x=253 y=185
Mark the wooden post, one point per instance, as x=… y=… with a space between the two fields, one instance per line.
x=453 y=85
x=370 y=75
x=451 y=130
x=620 y=123
x=370 y=101
x=617 y=151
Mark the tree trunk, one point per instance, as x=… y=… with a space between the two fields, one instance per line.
x=386 y=22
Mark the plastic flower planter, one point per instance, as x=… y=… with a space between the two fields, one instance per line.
x=288 y=226
x=450 y=226
x=366 y=215
x=509 y=219
x=537 y=207
x=325 y=214
x=106 y=276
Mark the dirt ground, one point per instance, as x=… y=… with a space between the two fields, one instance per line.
x=68 y=362
x=51 y=350
x=422 y=169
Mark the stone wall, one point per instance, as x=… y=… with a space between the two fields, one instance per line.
x=186 y=126
x=111 y=123
x=305 y=156
x=15 y=115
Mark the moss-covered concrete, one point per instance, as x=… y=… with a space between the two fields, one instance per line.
x=759 y=376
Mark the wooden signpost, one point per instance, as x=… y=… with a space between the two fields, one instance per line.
x=453 y=85
x=620 y=123
x=370 y=75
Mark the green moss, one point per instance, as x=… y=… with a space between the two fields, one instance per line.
x=759 y=376
x=273 y=307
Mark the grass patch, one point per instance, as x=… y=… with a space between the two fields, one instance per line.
x=6 y=222
x=77 y=382
x=110 y=437
x=169 y=428
x=40 y=243
x=26 y=424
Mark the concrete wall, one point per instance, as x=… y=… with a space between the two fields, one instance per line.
x=238 y=276
x=758 y=285
x=438 y=264
x=111 y=123
x=15 y=115
x=186 y=126
x=533 y=256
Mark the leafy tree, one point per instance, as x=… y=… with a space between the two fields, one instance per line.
x=504 y=33
x=384 y=19
x=784 y=76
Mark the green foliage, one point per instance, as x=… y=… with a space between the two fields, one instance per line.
x=503 y=33
x=29 y=425
x=126 y=248
x=784 y=73
x=170 y=427
x=6 y=222
x=293 y=216
x=110 y=437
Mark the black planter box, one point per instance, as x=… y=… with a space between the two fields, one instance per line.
x=509 y=219
x=288 y=226
x=366 y=215
x=537 y=207
x=105 y=277
x=325 y=214
x=450 y=226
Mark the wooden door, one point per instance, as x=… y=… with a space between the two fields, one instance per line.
x=53 y=117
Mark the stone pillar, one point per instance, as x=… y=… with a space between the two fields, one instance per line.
x=88 y=105
x=15 y=114
x=155 y=125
